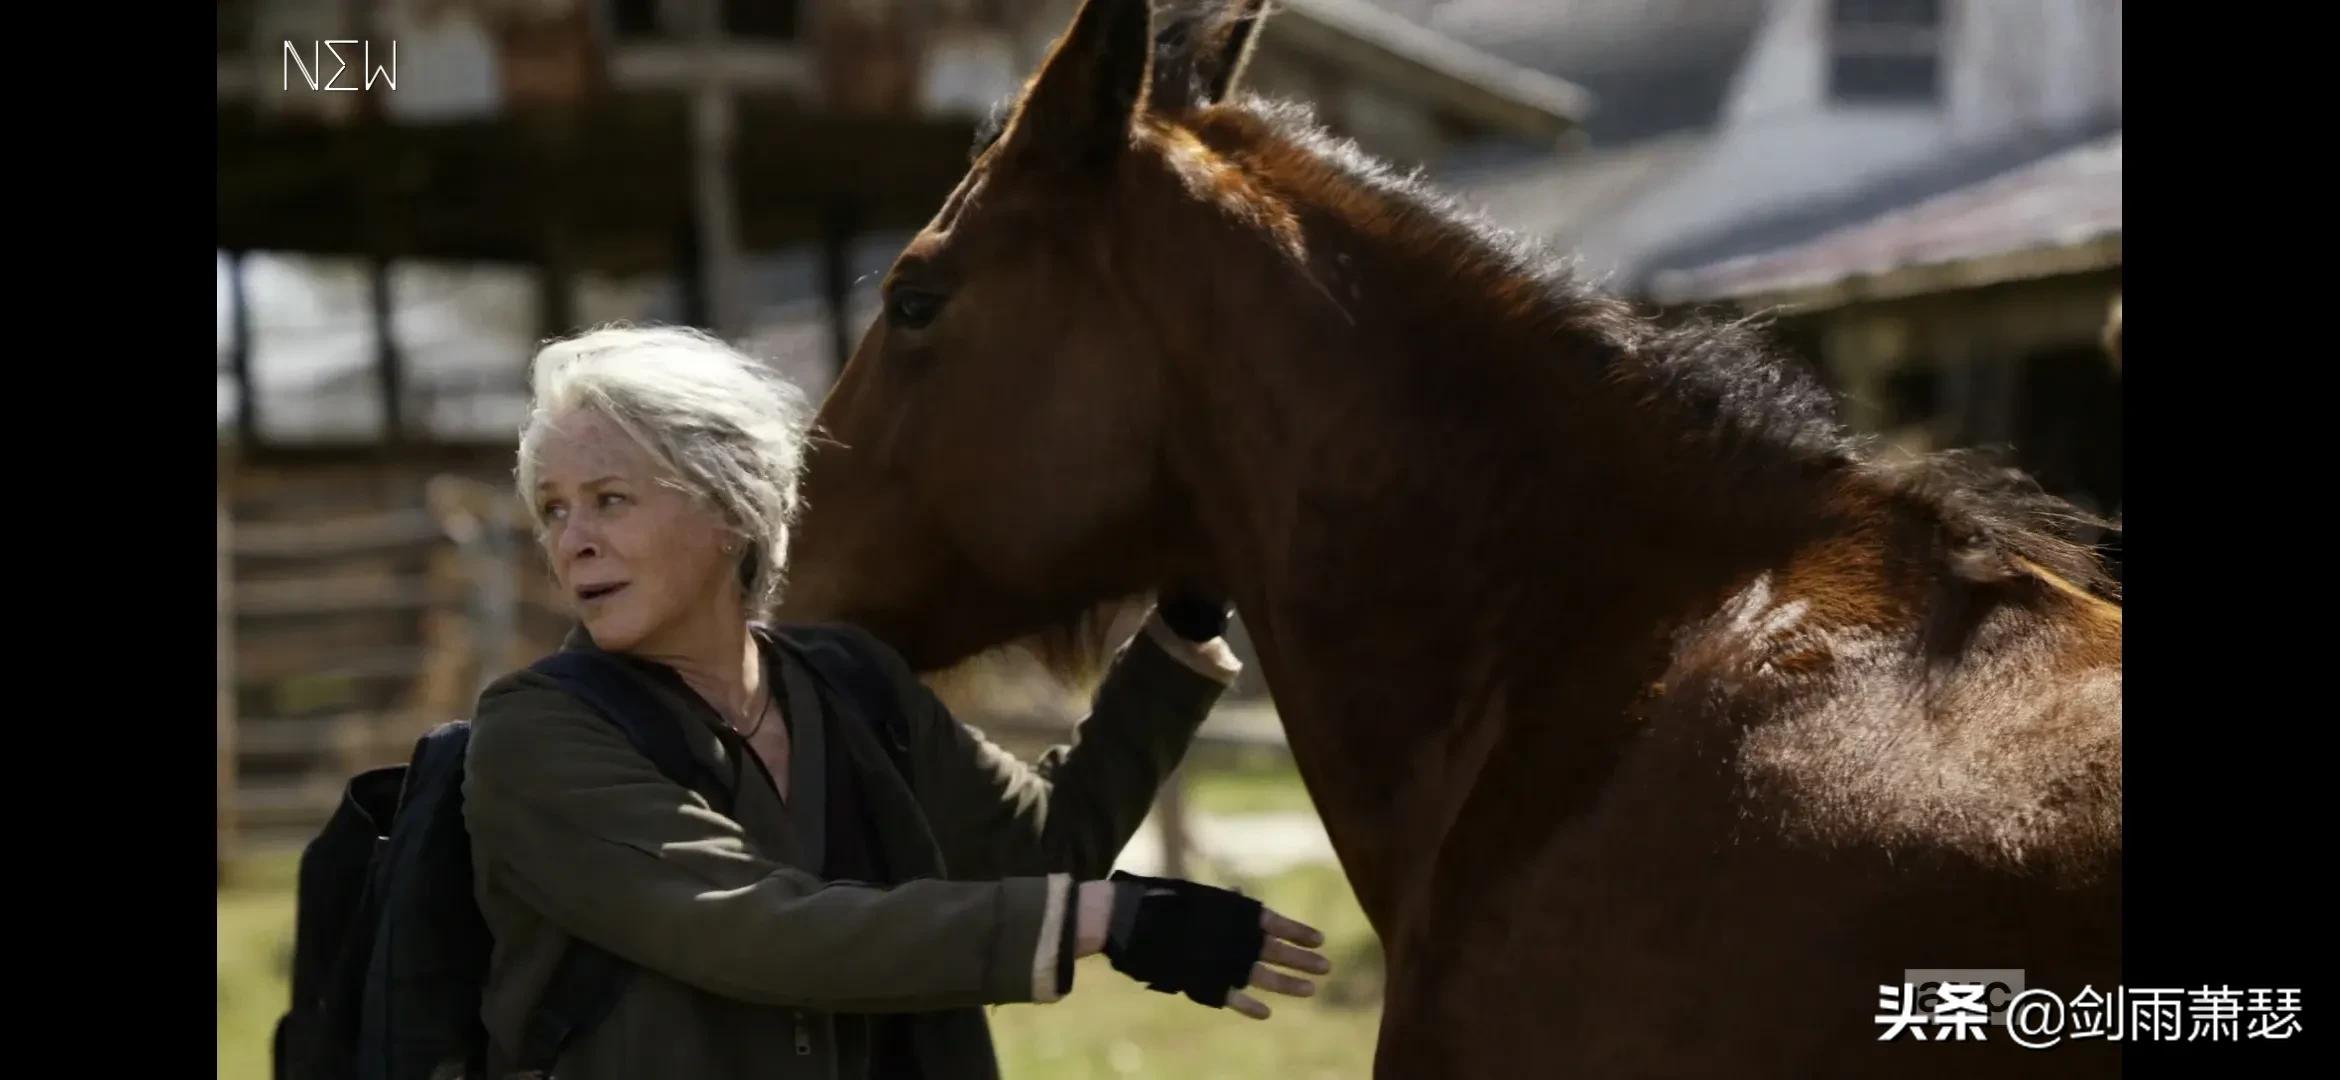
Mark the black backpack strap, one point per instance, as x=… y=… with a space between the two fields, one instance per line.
x=589 y=979
x=621 y=699
x=846 y=661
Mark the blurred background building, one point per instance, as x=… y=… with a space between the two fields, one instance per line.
x=1924 y=193
x=1927 y=193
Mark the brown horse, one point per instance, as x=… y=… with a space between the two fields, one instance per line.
x=1656 y=725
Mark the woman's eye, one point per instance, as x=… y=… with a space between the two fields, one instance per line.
x=552 y=511
x=913 y=309
x=611 y=498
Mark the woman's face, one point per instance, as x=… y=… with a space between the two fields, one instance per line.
x=637 y=556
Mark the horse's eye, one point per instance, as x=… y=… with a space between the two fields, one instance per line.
x=913 y=309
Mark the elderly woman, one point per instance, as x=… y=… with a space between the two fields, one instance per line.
x=807 y=909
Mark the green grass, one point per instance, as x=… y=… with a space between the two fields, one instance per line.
x=1109 y=1027
x=255 y=963
x=1245 y=781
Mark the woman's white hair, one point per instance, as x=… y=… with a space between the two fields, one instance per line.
x=724 y=427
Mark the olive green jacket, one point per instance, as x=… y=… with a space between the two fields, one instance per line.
x=745 y=956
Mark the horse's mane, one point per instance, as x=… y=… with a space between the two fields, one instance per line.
x=1724 y=377
x=1721 y=376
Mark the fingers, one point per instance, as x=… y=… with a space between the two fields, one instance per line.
x=1269 y=979
x=1283 y=949
x=1278 y=926
x=1247 y=1005
x=1285 y=954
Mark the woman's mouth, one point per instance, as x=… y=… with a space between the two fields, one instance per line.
x=587 y=594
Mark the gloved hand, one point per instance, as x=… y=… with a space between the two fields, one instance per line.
x=1181 y=937
x=1193 y=613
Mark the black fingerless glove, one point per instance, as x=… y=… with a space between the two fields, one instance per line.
x=1179 y=937
x=1192 y=613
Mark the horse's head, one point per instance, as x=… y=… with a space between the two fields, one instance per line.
x=990 y=462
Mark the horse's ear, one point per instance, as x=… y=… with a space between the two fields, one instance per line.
x=1238 y=33
x=1090 y=88
x=1199 y=57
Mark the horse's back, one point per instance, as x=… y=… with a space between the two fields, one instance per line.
x=1988 y=730
x=1808 y=813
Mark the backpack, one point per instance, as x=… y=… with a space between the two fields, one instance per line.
x=389 y=949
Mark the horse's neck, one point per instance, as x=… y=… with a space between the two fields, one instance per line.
x=1435 y=582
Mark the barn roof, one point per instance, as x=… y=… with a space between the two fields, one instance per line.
x=2058 y=214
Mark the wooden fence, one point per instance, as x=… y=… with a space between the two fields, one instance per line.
x=344 y=636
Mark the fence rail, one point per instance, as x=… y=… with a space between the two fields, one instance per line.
x=348 y=642
x=392 y=530
x=335 y=595
x=345 y=638
x=366 y=738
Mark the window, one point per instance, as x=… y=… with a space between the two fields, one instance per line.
x=312 y=348
x=465 y=332
x=1885 y=52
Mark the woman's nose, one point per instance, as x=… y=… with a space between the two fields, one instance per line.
x=577 y=541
